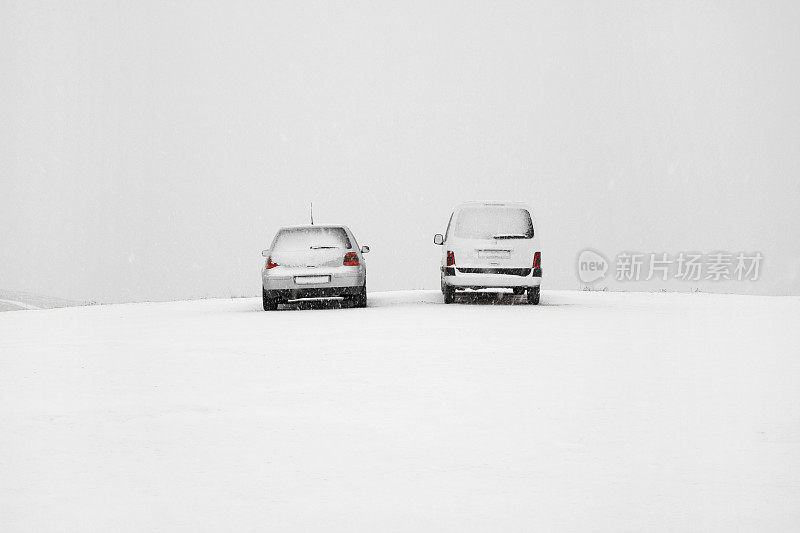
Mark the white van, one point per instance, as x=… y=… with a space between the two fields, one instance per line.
x=491 y=245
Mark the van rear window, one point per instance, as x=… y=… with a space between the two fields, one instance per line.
x=296 y=239
x=494 y=222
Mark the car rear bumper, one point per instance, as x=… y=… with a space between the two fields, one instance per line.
x=316 y=292
x=343 y=281
x=456 y=278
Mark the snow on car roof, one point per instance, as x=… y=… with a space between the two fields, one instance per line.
x=307 y=226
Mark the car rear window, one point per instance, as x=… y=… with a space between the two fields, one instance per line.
x=296 y=239
x=494 y=222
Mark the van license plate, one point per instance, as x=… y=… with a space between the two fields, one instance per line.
x=309 y=280
x=493 y=254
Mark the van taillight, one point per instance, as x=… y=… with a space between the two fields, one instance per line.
x=270 y=264
x=351 y=259
x=537 y=260
x=451 y=258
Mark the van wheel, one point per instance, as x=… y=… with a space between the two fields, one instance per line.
x=270 y=304
x=533 y=296
x=449 y=294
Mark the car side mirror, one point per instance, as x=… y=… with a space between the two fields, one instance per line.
x=438 y=239
x=264 y=253
x=365 y=249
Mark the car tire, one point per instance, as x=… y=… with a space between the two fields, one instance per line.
x=360 y=299
x=533 y=296
x=449 y=294
x=519 y=291
x=270 y=304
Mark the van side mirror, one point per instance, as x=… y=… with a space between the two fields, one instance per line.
x=365 y=249
x=264 y=253
x=438 y=239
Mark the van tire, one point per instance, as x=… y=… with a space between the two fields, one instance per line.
x=449 y=294
x=270 y=304
x=533 y=296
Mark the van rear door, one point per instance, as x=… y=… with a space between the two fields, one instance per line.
x=493 y=237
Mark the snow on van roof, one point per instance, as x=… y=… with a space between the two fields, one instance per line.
x=492 y=204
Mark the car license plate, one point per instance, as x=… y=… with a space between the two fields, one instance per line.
x=309 y=280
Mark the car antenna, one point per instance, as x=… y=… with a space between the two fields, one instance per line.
x=312 y=213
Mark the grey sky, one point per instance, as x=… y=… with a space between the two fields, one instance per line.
x=149 y=150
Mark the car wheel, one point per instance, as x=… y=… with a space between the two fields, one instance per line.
x=449 y=294
x=533 y=296
x=360 y=299
x=519 y=291
x=270 y=304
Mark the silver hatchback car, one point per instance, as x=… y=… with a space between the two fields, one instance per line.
x=314 y=261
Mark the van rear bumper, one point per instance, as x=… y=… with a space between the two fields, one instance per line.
x=455 y=278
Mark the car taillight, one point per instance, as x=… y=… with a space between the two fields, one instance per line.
x=270 y=264
x=537 y=260
x=451 y=258
x=351 y=259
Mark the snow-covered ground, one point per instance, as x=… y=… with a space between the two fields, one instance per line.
x=16 y=301
x=590 y=412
